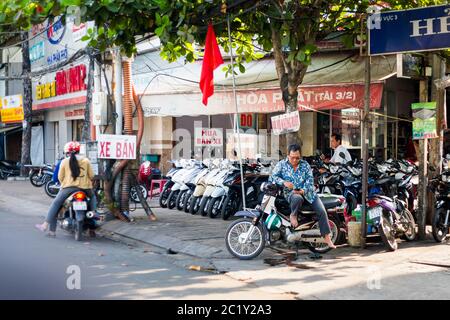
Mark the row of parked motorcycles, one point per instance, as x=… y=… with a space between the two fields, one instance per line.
x=214 y=188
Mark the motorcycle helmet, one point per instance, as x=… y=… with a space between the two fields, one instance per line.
x=72 y=147
x=273 y=221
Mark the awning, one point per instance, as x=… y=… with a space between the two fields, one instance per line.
x=6 y=129
x=333 y=81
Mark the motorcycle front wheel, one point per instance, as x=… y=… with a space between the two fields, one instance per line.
x=180 y=199
x=187 y=201
x=214 y=208
x=387 y=232
x=439 y=230
x=238 y=232
x=36 y=180
x=195 y=204
x=163 y=198
x=411 y=233
x=52 y=188
x=172 y=199
x=230 y=205
x=133 y=193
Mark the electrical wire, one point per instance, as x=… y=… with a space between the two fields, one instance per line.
x=28 y=39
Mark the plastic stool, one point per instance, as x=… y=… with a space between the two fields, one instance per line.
x=160 y=182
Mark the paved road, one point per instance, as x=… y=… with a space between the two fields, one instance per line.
x=32 y=266
x=35 y=267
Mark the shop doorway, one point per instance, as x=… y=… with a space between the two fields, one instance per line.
x=77 y=129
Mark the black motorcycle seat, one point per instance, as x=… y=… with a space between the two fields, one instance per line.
x=328 y=202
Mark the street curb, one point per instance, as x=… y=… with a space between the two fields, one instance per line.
x=140 y=233
x=17 y=179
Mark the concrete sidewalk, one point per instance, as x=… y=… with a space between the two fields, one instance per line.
x=178 y=231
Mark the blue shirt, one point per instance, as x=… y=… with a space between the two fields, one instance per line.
x=302 y=178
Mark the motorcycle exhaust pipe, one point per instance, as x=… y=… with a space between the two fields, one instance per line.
x=293 y=236
x=307 y=235
x=90 y=214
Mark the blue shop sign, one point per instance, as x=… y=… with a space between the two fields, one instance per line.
x=412 y=30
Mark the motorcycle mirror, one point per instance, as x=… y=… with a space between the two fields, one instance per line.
x=447 y=156
x=342 y=155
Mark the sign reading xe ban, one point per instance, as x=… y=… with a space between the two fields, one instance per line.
x=112 y=146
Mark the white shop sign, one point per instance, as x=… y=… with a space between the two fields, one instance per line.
x=284 y=123
x=208 y=137
x=112 y=146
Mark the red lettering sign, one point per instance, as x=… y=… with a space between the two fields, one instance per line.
x=71 y=80
x=105 y=149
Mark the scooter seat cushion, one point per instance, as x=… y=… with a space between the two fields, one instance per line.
x=328 y=203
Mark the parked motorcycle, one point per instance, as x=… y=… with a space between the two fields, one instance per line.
x=188 y=185
x=211 y=185
x=9 y=169
x=163 y=197
x=179 y=187
x=145 y=176
x=269 y=223
x=52 y=188
x=200 y=188
x=440 y=186
x=192 y=184
x=40 y=175
x=253 y=179
x=391 y=219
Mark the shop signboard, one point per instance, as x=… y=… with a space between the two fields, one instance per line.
x=424 y=124
x=52 y=42
x=413 y=30
x=285 y=123
x=12 y=108
x=314 y=97
x=247 y=121
x=208 y=137
x=112 y=146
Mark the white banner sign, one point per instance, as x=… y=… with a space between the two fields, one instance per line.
x=285 y=123
x=112 y=146
x=208 y=137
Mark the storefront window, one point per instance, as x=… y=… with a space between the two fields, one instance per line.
x=346 y=122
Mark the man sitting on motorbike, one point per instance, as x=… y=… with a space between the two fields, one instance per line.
x=297 y=178
x=75 y=173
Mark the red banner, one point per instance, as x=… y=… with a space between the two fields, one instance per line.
x=325 y=97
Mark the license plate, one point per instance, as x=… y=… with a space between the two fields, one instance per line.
x=79 y=205
x=375 y=213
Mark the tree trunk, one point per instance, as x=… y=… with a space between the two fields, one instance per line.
x=290 y=76
x=27 y=105
x=86 y=134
